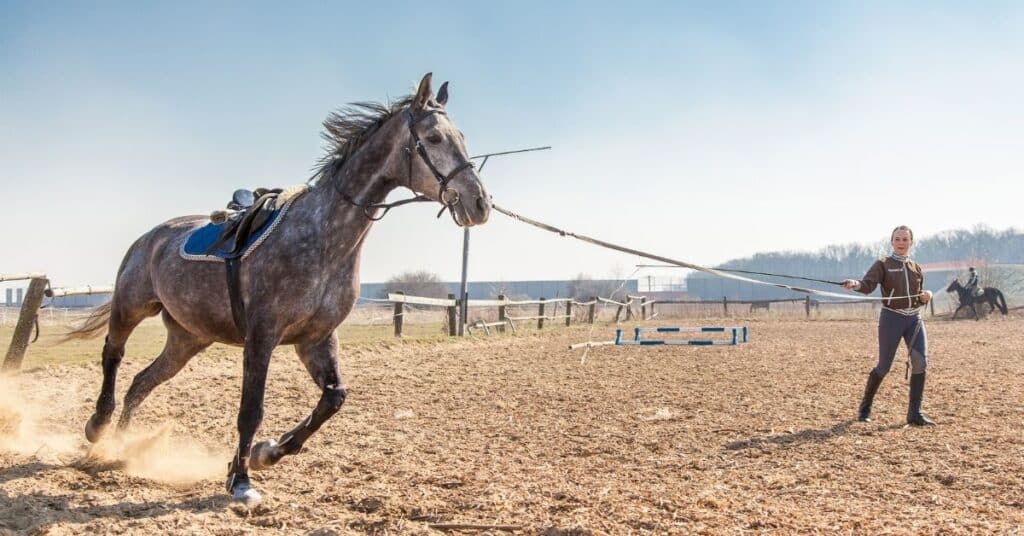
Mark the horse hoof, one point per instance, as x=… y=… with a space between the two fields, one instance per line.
x=94 y=428
x=246 y=496
x=263 y=455
x=241 y=490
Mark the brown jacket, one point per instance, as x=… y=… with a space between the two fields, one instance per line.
x=897 y=279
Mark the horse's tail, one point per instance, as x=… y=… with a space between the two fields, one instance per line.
x=91 y=327
x=1001 y=302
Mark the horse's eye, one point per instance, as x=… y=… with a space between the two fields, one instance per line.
x=435 y=138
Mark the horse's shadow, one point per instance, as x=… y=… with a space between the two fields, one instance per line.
x=808 y=435
x=29 y=513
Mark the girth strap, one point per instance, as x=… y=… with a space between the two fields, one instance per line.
x=234 y=269
x=253 y=218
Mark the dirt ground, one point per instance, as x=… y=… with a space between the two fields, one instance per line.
x=520 y=432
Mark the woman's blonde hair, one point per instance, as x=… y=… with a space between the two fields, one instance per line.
x=902 y=228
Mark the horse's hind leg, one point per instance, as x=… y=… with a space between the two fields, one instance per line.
x=321 y=360
x=123 y=320
x=180 y=347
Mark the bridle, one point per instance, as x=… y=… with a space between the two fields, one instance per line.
x=449 y=197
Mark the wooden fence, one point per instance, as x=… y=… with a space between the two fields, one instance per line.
x=634 y=308
x=809 y=304
x=28 y=316
x=451 y=305
x=37 y=284
x=547 y=310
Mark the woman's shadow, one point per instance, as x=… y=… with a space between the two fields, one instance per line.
x=807 y=435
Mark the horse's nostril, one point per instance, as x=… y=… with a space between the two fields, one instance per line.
x=481 y=203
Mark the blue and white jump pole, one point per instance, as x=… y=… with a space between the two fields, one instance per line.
x=739 y=334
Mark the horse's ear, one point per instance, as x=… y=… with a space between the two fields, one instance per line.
x=423 y=93
x=442 y=94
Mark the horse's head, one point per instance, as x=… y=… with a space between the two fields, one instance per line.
x=954 y=286
x=439 y=166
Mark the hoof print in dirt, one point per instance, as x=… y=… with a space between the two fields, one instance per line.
x=575 y=531
x=94 y=465
x=368 y=505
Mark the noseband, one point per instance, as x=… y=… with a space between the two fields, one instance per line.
x=449 y=202
x=447 y=196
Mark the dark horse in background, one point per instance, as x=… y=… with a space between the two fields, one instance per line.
x=301 y=282
x=992 y=296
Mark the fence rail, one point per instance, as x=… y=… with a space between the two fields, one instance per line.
x=766 y=304
x=22 y=277
x=418 y=300
x=77 y=291
x=547 y=310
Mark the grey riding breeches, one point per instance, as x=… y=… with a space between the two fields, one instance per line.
x=894 y=327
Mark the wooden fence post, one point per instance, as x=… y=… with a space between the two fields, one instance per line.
x=592 y=310
x=453 y=317
x=501 y=314
x=725 y=305
x=399 y=315
x=652 y=309
x=643 y=308
x=931 y=305
x=568 y=313
x=540 y=314
x=26 y=320
x=807 y=306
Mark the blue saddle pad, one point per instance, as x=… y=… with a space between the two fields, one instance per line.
x=199 y=241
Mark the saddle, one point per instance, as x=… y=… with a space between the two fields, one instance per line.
x=234 y=233
x=250 y=217
x=251 y=211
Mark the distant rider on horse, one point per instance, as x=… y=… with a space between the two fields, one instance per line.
x=972 y=285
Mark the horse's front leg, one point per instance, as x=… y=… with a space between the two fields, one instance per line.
x=259 y=346
x=321 y=360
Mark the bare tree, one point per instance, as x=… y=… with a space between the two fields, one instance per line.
x=417 y=283
x=583 y=287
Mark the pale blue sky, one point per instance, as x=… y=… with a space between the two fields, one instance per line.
x=700 y=131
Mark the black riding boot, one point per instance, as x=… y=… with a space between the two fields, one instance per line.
x=914 y=415
x=874 y=380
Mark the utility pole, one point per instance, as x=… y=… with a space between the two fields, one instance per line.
x=464 y=284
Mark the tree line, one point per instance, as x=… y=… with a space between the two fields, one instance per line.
x=851 y=260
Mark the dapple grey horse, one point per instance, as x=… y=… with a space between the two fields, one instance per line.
x=303 y=280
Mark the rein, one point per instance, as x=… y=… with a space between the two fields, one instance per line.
x=416 y=146
x=683 y=264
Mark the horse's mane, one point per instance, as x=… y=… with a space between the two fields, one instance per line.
x=346 y=129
